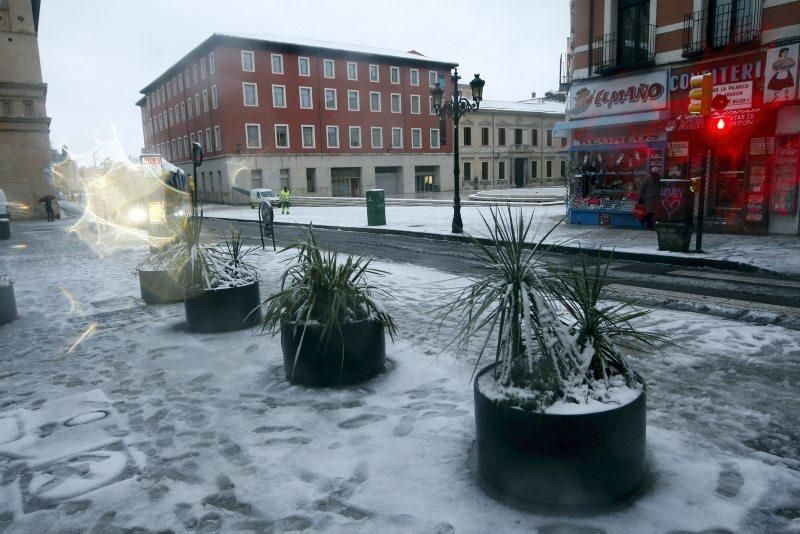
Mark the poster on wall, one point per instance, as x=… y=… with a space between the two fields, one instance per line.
x=781 y=74
x=785 y=172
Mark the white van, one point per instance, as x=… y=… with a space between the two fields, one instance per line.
x=3 y=206
x=257 y=196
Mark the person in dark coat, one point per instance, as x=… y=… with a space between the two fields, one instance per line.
x=648 y=195
x=48 y=207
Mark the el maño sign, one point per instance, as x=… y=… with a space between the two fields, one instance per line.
x=631 y=94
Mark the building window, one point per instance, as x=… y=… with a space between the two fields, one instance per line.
x=501 y=170
x=205 y=100
x=256 y=179
x=394 y=74
x=174 y=147
x=563 y=141
x=413 y=76
x=197 y=104
x=415 y=110
x=308 y=135
x=549 y=167
x=250 y=94
x=279 y=96
x=484 y=170
x=189 y=107
x=306 y=100
x=303 y=66
x=330 y=98
x=467 y=170
x=186 y=145
x=352 y=71
x=169 y=89
x=214 y=101
x=333 y=136
x=374 y=75
x=212 y=65
x=517 y=136
x=328 y=68
x=431 y=111
x=253 y=134
x=501 y=136
x=186 y=78
x=209 y=146
x=484 y=136
x=180 y=82
x=432 y=78
x=434 y=137
x=377 y=137
x=164 y=96
x=535 y=137
x=396 y=107
x=416 y=138
x=397 y=138
x=549 y=137
x=355 y=136
x=171 y=118
x=375 y=101
x=467 y=136
x=194 y=77
x=282 y=135
x=277 y=63
x=311 y=180
x=353 y=103
x=203 y=68
x=248 y=61
x=563 y=167
x=217 y=138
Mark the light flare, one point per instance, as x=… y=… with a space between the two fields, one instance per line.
x=91 y=329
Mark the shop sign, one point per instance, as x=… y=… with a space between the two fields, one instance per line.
x=739 y=95
x=735 y=118
x=588 y=137
x=678 y=149
x=631 y=94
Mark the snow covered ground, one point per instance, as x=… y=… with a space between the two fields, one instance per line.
x=112 y=415
x=775 y=253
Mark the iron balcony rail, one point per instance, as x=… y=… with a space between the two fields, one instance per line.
x=629 y=48
x=564 y=72
x=722 y=27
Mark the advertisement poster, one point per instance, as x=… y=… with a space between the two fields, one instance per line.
x=739 y=95
x=786 y=169
x=781 y=73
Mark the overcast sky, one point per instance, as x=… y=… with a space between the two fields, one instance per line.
x=97 y=54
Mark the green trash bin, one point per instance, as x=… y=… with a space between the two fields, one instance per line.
x=5 y=229
x=376 y=208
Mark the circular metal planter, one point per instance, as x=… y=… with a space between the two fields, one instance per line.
x=160 y=287
x=560 y=463
x=8 y=305
x=354 y=355
x=222 y=310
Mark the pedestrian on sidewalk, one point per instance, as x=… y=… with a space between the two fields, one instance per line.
x=649 y=189
x=285 y=198
x=48 y=207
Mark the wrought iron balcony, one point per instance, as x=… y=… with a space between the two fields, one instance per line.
x=722 y=27
x=629 y=48
x=564 y=72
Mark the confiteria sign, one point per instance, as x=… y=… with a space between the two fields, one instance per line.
x=631 y=94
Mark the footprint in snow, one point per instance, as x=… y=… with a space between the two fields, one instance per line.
x=361 y=420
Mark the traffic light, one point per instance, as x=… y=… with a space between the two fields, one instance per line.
x=700 y=89
x=718 y=127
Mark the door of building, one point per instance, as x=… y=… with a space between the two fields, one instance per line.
x=519 y=172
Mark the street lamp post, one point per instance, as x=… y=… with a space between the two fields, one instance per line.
x=456 y=106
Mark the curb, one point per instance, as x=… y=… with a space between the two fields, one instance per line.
x=681 y=261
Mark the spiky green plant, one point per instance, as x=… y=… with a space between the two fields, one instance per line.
x=235 y=246
x=318 y=288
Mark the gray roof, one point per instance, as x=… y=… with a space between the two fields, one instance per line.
x=556 y=108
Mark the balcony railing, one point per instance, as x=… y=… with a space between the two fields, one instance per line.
x=564 y=72
x=721 y=27
x=629 y=48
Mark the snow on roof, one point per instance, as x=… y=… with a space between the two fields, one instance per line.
x=524 y=107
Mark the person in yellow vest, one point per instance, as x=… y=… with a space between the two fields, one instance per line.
x=285 y=198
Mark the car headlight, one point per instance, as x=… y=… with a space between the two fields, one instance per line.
x=137 y=215
x=180 y=213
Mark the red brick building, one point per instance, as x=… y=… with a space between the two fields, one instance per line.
x=318 y=117
x=628 y=68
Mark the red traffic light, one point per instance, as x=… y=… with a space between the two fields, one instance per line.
x=721 y=124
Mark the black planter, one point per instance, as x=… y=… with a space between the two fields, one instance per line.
x=160 y=287
x=5 y=229
x=560 y=463
x=318 y=365
x=8 y=306
x=220 y=310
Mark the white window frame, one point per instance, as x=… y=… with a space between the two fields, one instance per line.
x=194 y=72
x=203 y=68
x=247 y=137
x=372 y=136
x=186 y=145
x=282 y=88
x=401 y=137
x=205 y=100
x=371 y=107
x=411 y=76
x=197 y=104
x=214 y=97
x=350 y=130
x=377 y=73
x=180 y=82
x=189 y=107
x=325 y=63
x=169 y=89
x=415 y=98
x=252 y=61
x=186 y=78
x=434 y=134
x=244 y=94
x=335 y=98
x=300 y=66
x=313 y=144
x=310 y=97
x=351 y=92
x=354 y=65
x=212 y=63
x=419 y=132
x=431 y=111
x=288 y=143
x=399 y=100
x=395 y=80
x=217 y=138
x=272 y=58
x=171 y=121
x=209 y=145
x=328 y=139
x=433 y=78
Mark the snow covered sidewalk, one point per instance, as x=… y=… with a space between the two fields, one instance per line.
x=775 y=253
x=113 y=416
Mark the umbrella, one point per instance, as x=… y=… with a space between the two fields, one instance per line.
x=45 y=198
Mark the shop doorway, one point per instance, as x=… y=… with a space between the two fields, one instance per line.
x=519 y=172
x=346 y=182
x=726 y=193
